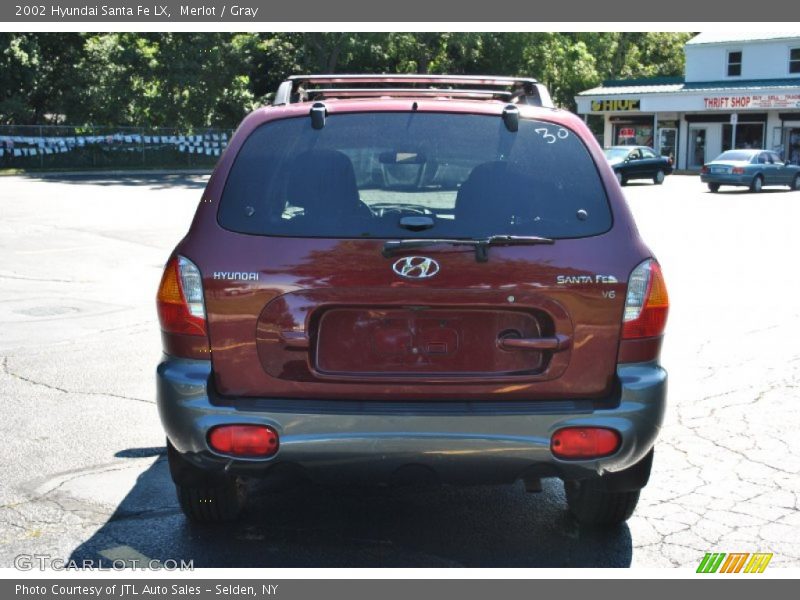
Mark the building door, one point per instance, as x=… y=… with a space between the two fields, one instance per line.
x=791 y=147
x=697 y=147
x=667 y=146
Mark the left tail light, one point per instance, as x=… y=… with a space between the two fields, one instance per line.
x=181 y=309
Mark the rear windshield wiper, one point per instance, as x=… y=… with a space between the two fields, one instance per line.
x=481 y=245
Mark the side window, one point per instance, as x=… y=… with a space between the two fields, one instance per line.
x=734 y=63
x=774 y=158
x=647 y=153
x=794 y=60
x=635 y=155
x=762 y=158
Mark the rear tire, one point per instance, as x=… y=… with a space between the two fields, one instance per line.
x=592 y=504
x=205 y=497
x=620 y=178
x=713 y=187
x=213 y=504
x=757 y=184
x=659 y=177
x=795 y=184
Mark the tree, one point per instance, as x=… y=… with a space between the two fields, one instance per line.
x=36 y=83
x=191 y=80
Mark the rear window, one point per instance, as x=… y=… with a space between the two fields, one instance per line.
x=735 y=155
x=361 y=173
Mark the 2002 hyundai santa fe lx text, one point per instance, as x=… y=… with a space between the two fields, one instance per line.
x=401 y=277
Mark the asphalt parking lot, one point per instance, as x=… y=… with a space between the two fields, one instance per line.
x=84 y=474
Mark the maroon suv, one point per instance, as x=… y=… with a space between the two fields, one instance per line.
x=392 y=278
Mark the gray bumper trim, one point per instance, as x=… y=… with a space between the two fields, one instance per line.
x=461 y=442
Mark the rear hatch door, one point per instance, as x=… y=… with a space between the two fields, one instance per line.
x=303 y=301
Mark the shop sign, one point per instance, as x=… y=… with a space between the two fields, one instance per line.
x=627 y=132
x=752 y=101
x=614 y=105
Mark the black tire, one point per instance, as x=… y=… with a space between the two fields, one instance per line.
x=205 y=497
x=757 y=184
x=658 y=179
x=592 y=504
x=713 y=187
x=795 y=184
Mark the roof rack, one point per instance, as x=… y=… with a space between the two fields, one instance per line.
x=516 y=90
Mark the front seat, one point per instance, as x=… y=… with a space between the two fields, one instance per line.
x=493 y=199
x=323 y=184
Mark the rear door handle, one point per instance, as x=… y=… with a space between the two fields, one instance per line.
x=557 y=343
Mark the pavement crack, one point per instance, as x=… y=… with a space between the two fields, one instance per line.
x=7 y=371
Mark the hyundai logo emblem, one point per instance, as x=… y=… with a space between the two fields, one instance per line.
x=416 y=267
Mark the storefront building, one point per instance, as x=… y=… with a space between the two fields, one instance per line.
x=738 y=92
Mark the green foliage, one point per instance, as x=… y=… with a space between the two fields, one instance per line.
x=189 y=80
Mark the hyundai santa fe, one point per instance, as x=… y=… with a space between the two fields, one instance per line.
x=400 y=278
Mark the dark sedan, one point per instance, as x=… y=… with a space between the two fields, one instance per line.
x=638 y=162
x=750 y=168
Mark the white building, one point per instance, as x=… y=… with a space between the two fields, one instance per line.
x=736 y=87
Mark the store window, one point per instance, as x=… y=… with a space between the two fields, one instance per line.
x=794 y=60
x=633 y=135
x=748 y=135
x=734 y=63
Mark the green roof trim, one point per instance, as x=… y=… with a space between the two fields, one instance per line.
x=642 y=81
x=675 y=85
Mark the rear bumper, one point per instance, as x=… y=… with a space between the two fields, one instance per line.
x=459 y=442
x=726 y=179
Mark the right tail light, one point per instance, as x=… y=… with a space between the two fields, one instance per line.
x=645 y=316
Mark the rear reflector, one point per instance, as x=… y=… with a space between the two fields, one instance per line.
x=646 y=304
x=246 y=441
x=584 y=442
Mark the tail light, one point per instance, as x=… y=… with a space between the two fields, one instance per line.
x=181 y=309
x=584 y=442
x=704 y=169
x=246 y=441
x=645 y=316
x=737 y=170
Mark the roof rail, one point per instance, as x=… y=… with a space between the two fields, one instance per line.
x=517 y=90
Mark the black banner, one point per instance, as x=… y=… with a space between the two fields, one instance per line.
x=462 y=11
x=396 y=589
